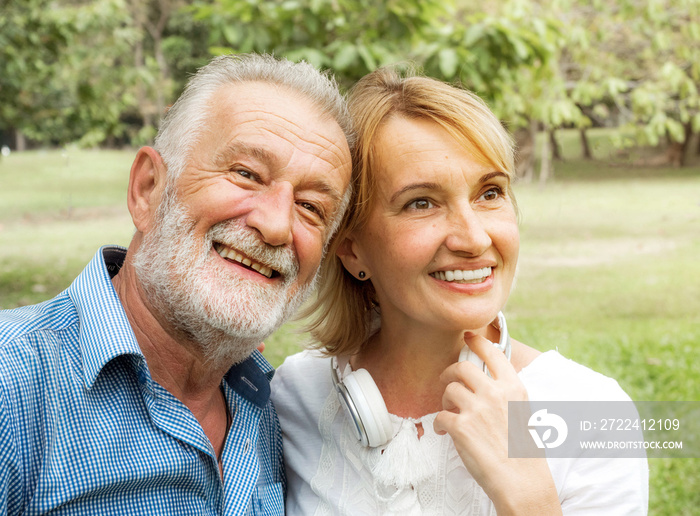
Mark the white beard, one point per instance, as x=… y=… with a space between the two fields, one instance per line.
x=222 y=314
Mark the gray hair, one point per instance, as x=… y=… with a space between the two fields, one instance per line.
x=182 y=126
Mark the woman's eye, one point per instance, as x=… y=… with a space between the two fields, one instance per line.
x=491 y=194
x=420 y=204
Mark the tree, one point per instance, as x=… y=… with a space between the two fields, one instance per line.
x=32 y=38
x=634 y=65
x=60 y=80
x=167 y=45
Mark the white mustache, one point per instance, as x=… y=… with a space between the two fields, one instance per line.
x=236 y=235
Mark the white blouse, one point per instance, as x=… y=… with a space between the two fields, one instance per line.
x=329 y=472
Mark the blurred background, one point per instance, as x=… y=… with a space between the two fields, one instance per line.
x=601 y=96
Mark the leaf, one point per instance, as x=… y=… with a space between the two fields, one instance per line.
x=345 y=57
x=675 y=129
x=232 y=34
x=367 y=57
x=448 y=61
x=472 y=34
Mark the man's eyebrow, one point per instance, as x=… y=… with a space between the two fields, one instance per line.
x=321 y=186
x=224 y=157
x=414 y=186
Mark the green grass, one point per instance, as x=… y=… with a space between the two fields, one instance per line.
x=609 y=273
x=56 y=209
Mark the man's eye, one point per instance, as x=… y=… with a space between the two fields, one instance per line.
x=311 y=207
x=420 y=204
x=244 y=173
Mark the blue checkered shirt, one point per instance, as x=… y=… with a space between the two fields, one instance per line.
x=84 y=429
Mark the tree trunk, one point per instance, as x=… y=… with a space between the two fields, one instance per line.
x=156 y=30
x=556 y=149
x=585 y=147
x=525 y=155
x=546 y=165
x=20 y=141
x=141 y=97
x=676 y=151
x=164 y=73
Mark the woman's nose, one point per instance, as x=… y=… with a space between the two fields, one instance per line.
x=468 y=232
x=273 y=214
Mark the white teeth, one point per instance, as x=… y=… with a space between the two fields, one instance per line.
x=469 y=276
x=227 y=252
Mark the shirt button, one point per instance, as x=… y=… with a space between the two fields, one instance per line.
x=246 y=447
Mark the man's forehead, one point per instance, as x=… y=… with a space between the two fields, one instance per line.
x=254 y=96
x=273 y=107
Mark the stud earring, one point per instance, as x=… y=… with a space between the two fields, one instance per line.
x=362 y=274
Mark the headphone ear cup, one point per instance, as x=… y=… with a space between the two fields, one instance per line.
x=370 y=407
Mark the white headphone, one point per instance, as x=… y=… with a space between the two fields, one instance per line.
x=364 y=404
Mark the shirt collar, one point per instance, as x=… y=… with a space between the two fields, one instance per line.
x=105 y=332
x=251 y=379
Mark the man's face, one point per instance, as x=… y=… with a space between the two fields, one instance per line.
x=239 y=238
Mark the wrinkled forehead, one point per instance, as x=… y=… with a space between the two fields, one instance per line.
x=256 y=110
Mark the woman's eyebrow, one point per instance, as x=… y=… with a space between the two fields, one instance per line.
x=415 y=186
x=491 y=175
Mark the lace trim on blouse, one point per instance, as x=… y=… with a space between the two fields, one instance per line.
x=408 y=476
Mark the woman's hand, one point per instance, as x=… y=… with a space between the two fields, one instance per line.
x=475 y=414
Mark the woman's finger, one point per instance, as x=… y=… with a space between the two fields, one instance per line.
x=466 y=373
x=495 y=360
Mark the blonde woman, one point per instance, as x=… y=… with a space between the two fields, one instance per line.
x=384 y=417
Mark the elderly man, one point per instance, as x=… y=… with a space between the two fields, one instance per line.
x=138 y=390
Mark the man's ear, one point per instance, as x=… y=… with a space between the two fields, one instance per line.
x=146 y=184
x=350 y=254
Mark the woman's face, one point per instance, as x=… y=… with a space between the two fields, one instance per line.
x=441 y=244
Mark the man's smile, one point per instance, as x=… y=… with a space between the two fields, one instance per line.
x=233 y=255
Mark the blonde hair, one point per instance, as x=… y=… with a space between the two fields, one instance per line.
x=340 y=317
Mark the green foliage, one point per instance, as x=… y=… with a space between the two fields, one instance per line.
x=634 y=64
x=32 y=38
x=505 y=57
x=351 y=37
x=488 y=53
x=105 y=71
x=54 y=86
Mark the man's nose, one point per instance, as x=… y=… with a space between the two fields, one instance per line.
x=273 y=214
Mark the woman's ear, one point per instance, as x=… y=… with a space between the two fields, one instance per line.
x=146 y=184
x=350 y=254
